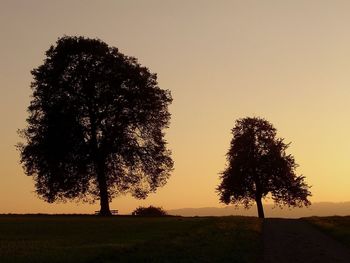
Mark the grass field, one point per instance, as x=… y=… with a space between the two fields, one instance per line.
x=336 y=226
x=129 y=239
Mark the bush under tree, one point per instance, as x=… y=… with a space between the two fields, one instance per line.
x=149 y=211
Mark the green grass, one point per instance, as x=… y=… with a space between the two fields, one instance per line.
x=129 y=239
x=336 y=226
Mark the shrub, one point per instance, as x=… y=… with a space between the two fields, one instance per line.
x=149 y=211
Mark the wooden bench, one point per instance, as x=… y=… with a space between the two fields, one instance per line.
x=114 y=212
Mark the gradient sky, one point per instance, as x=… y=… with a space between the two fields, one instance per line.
x=287 y=61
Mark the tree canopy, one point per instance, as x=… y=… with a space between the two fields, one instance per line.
x=95 y=125
x=258 y=165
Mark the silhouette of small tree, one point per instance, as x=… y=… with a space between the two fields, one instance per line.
x=95 y=125
x=149 y=211
x=258 y=165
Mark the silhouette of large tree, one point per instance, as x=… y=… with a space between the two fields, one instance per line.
x=258 y=165
x=95 y=125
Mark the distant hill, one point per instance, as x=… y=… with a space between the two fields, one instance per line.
x=316 y=209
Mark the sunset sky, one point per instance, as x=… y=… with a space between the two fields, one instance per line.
x=287 y=61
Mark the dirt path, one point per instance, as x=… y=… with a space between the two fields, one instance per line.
x=293 y=240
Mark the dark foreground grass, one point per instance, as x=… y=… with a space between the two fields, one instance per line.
x=129 y=239
x=336 y=226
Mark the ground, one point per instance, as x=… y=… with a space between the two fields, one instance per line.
x=293 y=241
x=129 y=239
x=63 y=238
x=336 y=226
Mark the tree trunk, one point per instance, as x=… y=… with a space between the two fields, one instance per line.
x=260 y=207
x=100 y=169
x=104 y=203
x=102 y=184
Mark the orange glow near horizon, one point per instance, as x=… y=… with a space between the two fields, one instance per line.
x=286 y=61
